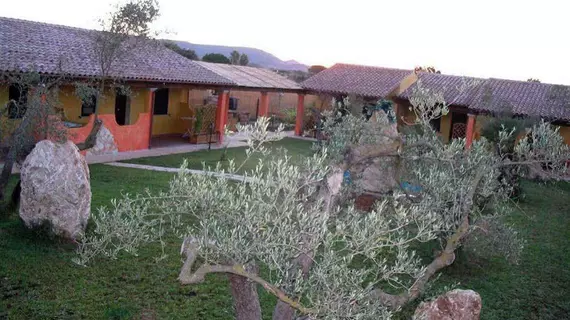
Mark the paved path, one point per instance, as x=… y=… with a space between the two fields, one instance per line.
x=237 y=140
x=231 y=142
x=233 y=177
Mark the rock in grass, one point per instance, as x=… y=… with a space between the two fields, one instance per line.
x=454 y=305
x=55 y=189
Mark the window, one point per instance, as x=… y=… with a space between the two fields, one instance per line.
x=17 y=101
x=161 y=102
x=122 y=108
x=88 y=106
x=436 y=124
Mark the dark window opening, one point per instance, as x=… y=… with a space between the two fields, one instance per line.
x=161 y=102
x=17 y=101
x=435 y=124
x=88 y=106
x=122 y=108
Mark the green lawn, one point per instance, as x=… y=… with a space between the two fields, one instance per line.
x=38 y=281
x=294 y=147
x=539 y=286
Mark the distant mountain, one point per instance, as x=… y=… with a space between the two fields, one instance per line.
x=256 y=57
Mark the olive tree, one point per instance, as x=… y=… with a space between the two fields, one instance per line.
x=322 y=258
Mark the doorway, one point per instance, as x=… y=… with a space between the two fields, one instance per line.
x=458 y=125
x=122 y=108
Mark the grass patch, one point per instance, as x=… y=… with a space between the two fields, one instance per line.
x=539 y=286
x=294 y=147
x=39 y=281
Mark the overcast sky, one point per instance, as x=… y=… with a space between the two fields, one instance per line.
x=486 y=38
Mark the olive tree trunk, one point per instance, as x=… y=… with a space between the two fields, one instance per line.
x=245 y=297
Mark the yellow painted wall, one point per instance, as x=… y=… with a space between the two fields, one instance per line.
x=404 y=84
x=3 y=95
x=139 y=103
x=565 y=132
x=171 y=123
x=479 y=122
x=72 y=104
x=445 y=127
x=6 y=125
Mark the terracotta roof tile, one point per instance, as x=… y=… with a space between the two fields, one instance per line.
x=544 y=100
x=456 y=90
x=54 y=49
x=355 y=79
x=251 y=77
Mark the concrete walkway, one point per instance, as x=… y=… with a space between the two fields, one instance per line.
x=234 y=141
x=233 y=177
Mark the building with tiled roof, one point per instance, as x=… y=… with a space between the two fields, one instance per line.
x=467 y=97
x=160 y=82
x=534 y=99
x=53 y=49
x=349 y=79
x=456 y=90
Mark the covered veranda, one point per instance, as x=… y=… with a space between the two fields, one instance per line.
x=244 y=79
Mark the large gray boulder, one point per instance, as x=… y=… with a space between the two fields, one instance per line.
x=454 y=305
x=55 y=189
x=105 y=143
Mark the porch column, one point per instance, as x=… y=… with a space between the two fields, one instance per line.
x=470 y=130
x=221 y=114
x=150 y=108
x=300 y=114
x=264 y=105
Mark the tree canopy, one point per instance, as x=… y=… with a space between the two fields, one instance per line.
x=187 y=53
x=216 y=58
x=428 y=69
x=314 y=69
x=326 y=259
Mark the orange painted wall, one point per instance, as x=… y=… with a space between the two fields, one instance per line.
x=127 y=137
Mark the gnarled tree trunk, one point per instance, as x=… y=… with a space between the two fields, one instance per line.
x=244 y=292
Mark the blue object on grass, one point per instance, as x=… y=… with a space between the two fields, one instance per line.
x=346 y=177
x=408 y=187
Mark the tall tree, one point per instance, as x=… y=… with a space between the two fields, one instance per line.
x=234 y=57
x=187 y=53
x=243 y=59
x=216 y=58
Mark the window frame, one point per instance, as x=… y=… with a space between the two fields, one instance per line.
x=92 y=104
x=20 y=102
x=160 y=105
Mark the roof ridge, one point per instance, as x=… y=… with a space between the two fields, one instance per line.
x=368 y=66
x=529 y=82
x=48 y=24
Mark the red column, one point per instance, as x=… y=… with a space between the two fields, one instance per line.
x=221 y=114
x=150 y=108
x=300 y=114
x=264 y=105
x=470 y=130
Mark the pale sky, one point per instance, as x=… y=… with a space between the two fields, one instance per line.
x=485 y=38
